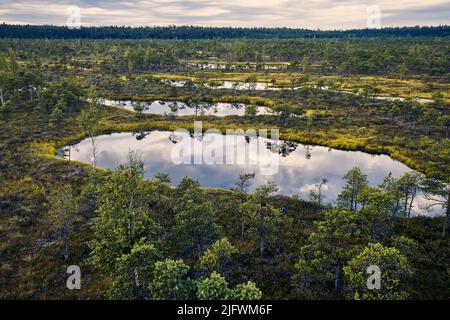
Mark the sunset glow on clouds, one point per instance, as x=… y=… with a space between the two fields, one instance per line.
x=313 y=14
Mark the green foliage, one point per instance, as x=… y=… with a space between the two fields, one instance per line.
x=138 y=223
x=244 y=182
x=149 y=58
x=203 y=33
x=251 y=111
x=284 y=111
x=247 y=291
x=170 y=281
x=395 y=273
x=89 y=119
x=221 y=257
x=186 y=184
x=57 y=117
x=408 y=185
x=194 y=219
x=436 y=185
x=317 y=195
x=6 y=108
x=139 y=108
x=405 y=245
x=262 y=218
x=135 y=273
x=122 y=218
x=240 y=189
x=161 y=177
x=214 y=288
x=355 y=182
x=63 y=209
x=65 y=96
x=162 y=197
x=90 y=193
x=335 y=241
x=375 y=212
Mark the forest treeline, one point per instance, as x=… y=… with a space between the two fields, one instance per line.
x=196 y=32
x=399 y=57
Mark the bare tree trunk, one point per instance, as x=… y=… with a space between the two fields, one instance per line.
x=320 y=195
x=66 y=239
x=262 y=236
x=444 y=229
x=1 y=97
x=405 y=206
x=66 y=249
x=262 y=243
x=395 y=211
x=447 y=218
x=337 y=277
x=413 y=196
x=94 y=152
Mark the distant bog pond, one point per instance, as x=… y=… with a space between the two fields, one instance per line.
x=300 y=168
x=267 y=86
x=178 y=108
x=235 y=85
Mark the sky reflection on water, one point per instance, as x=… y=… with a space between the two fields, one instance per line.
x=299 y=170
x=178 y=108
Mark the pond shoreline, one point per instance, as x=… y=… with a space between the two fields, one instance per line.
x=296 y=168
x=185 y=108
x=136 y=128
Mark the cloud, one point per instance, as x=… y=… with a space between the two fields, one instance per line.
x=323 y=14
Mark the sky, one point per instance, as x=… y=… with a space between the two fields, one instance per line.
x=312 y=14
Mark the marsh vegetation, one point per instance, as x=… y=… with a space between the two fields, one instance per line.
x=224 y=233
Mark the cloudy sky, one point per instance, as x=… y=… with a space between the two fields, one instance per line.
x=322 y=14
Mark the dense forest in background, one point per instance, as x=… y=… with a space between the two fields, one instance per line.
x=398 y=57
x=195 y=32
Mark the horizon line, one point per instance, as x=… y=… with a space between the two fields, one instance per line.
x=222 y=27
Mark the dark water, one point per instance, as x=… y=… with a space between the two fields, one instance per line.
x=178 y=108
x=300 y=166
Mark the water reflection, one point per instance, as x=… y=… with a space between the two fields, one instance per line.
x=178 y=108
x=229 y=66
x=235 y=85
x=301 y=167
x=283 y=148
x=265 y=86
